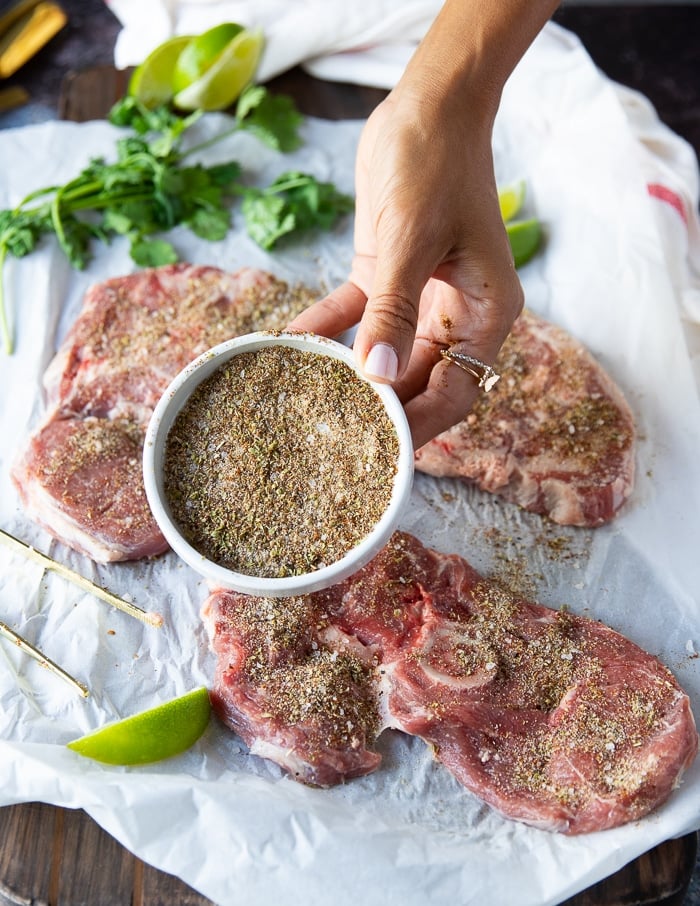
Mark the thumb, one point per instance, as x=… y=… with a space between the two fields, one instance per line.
x=386 y=333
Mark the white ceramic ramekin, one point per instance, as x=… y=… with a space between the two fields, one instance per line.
x=164 y=416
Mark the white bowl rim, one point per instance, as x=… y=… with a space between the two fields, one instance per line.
x=163 y=417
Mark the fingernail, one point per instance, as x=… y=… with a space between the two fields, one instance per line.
x=382 y=363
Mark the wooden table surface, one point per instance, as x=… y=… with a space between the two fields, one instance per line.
x=53 y=856
x=60 y=857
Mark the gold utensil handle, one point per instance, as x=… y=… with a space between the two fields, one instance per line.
x=152 y=619
x=39 y=656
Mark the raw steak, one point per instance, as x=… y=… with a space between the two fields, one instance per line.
x=135 y=333
x=81 y=479
x=296 y=689
x=551 y=718
x=555 y=435
x=79 y=474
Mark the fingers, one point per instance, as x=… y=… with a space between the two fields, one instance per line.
x=383 y=344
x=435 y=392
x=399 y=233
x=385 y=337
x=332 y=316
x=447 y=399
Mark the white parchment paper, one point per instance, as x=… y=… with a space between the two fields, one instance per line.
x=228 y=823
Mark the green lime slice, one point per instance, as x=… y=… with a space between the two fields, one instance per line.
x=152 y=735
x=201 y=53
x=511 y=198
x=525 y=238
x=152 y=81
x=221 y=84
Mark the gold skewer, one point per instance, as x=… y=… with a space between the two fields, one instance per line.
x=153 y=619
x=39 y=656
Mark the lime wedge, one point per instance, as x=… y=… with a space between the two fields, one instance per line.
x=201 y=53
x=511 y=198
x=152 y=735
x=228 y=75
x=152 y=81
x=525 y=238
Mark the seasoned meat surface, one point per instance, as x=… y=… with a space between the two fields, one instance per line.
x=551 y=718
x=133 y=335
x=81 y=478
x=555 y=435
x=297 y=689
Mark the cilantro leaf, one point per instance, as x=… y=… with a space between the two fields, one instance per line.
x=272 y=118
x=152 y=252
x=249 y=99
x=225 y=175
x=19 y=233
x=211 y=224
x=267 y=218
x=293 y=202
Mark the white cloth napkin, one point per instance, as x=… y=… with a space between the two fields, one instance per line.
x=671 y=169
x=324 y=35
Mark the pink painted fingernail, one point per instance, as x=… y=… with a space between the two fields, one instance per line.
x=382 y=363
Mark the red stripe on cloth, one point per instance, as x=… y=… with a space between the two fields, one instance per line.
x=663 y=193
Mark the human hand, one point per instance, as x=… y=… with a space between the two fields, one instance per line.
x=433 y=267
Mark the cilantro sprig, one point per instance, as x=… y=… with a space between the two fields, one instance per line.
x=293 y=202
x=151 y=187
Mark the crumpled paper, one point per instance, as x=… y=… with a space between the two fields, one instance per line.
x=619 y=273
